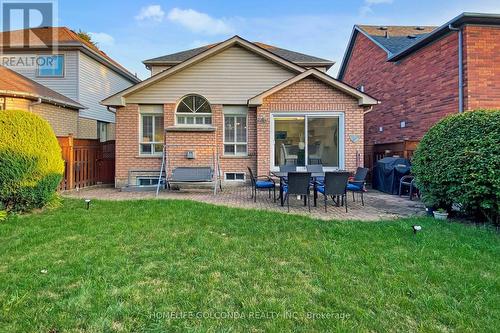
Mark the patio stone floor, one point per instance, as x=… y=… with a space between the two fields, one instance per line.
x=378 y=205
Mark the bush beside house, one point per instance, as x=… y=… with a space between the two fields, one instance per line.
x=458 y=161
x=31 y=166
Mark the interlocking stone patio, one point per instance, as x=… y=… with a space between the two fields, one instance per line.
x=378 y=205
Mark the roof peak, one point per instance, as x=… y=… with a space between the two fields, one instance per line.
x=293 y=56
x=395 y=30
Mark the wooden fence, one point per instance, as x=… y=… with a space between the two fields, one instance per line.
x=403 y=149
x=86 y=162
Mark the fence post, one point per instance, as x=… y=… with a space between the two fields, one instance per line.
x=71 y=162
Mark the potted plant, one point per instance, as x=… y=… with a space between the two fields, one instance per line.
x=441 y=214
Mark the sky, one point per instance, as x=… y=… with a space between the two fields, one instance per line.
x=132 y=31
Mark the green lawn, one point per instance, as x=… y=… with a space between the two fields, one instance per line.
x=176 y=265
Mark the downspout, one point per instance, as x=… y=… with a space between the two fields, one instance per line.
x=460 y=69
x=38 y=102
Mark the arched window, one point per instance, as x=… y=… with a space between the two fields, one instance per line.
x=194 y=110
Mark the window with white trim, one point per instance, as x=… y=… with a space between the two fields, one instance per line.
x=235 y=135
x=151 y=130
x=194 y=110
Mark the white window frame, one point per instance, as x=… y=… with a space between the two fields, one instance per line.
x=234 y=143
x=193 y=115
x=306 y=115
x=235 y=180
x=154 y=115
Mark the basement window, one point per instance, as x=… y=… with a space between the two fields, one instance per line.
x=147 y=181
x=234 y=176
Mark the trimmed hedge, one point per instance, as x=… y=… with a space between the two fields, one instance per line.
x=458 y=161
x=31 y=165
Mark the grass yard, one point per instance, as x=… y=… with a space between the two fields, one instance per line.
x=176 y=265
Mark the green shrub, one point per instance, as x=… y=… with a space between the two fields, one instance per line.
x=31 y=165
x=458 y=161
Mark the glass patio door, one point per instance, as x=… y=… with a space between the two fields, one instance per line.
x=289 y=141
x=323 y=141
x=308 y=139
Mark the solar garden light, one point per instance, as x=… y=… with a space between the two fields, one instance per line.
x=416 y=228
x=87 y=202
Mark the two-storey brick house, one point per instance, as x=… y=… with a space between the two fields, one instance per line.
x=420 y=75
x=251 y=104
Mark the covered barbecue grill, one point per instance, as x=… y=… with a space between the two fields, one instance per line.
x=388 y=172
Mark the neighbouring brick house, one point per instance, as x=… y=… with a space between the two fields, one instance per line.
x=17 y=92
x=420 y=75
x=62 y=61
x=252 y=104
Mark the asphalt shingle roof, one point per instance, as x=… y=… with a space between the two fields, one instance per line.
x=292 y=56
x=12 y=82
x=396 y=38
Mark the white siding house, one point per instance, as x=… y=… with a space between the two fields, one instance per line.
x=96 y=83
x=230 y=77
x=82 y=73
x=66 y=85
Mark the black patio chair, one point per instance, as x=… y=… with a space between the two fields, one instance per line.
x=409 y=181
x=357 y=183
x=316 y=168
x=298 y=184
x=261 y=183
x=287 y=168
x=335 y=185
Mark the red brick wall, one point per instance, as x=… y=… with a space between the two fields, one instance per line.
x=306 y=95
x=482 y=67
x=312 y=95
x=127 y=145
x=420 y=89
x=202 y=143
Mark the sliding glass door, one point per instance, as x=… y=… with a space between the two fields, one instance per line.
x=307 y=139
x=289 y=140
x=323 y=141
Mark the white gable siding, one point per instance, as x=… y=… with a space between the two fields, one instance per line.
x=230 y=77
x=67 y=85
x=96 y=83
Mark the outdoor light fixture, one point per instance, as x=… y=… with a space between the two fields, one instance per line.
x=87 y=202
x=416 y=228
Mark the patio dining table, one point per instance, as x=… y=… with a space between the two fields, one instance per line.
x=283 y=174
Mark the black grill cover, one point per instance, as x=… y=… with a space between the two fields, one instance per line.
x=388 y=172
